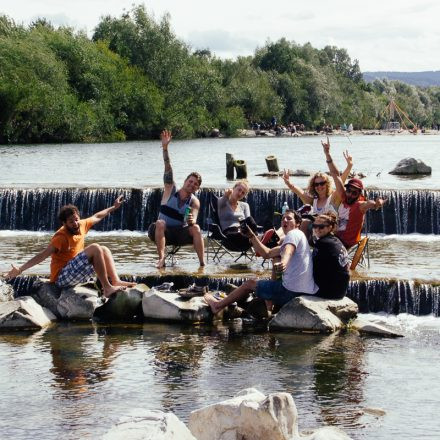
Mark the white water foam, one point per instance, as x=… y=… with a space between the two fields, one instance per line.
x=118 y=233
x=404 y=322
x=421 y=238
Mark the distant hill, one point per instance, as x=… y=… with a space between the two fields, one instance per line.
x=422 y=79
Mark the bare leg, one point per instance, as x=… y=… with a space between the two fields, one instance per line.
x=111 y=269
x=240 y=292
x=95 y=255
x=159 y=238
x=198 y=244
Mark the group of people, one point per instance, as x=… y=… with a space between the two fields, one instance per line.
x=334 y=226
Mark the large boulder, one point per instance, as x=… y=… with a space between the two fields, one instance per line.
x=6 y=292
x=249 y=415
x=149 y=425
x=312 y=313
x=24 y=313
x=78 y=302
x=171 y=306
x=410 y=165
x=123 y=306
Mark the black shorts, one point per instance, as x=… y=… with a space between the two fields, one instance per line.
x=174 y=235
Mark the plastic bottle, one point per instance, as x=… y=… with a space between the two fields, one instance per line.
x=284 y=208
x=187 y=213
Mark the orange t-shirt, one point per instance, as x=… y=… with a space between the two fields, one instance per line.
x=68 y=246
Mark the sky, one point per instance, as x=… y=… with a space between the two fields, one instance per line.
x=383 y=35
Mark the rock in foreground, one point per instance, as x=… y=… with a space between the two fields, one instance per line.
x=312 y=313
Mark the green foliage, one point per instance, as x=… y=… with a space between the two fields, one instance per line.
x=135 y=77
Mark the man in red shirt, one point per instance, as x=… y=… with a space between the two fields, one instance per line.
x=352 y=207
x=71 y=263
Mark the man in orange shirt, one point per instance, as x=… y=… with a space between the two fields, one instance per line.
x=72 y=263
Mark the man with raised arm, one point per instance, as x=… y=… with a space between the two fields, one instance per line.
x=351 y=207
x=71 y=263
x=174 y=226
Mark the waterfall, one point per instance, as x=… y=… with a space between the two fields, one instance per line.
x=36 y=209
x=372 y=296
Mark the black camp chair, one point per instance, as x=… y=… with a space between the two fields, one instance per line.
x=218 y=244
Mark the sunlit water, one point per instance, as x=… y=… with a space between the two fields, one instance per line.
x=413 y=256
x=139 y=164
x=76 y=380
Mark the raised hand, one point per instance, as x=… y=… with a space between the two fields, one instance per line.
x=228 y=192
x=348 y=158
x=165 y=137
x=286 y=176
x=326 y=146
x=118 y=202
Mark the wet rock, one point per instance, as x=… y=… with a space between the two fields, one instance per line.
x=249 y=415
x=123 y=306
x=410 y=165
x=149 y=425
x=78 y=302
x=6 y=292
x=24 y=313
x=372 y=328
x=311 y=313
x=47 y=295
x=170 y=306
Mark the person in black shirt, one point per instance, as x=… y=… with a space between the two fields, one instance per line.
x=330 y=259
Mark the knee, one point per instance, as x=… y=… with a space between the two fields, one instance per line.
x=160 y=226
x=93 y=249
x=105 y=249
x=194 y=230
x=250 y=285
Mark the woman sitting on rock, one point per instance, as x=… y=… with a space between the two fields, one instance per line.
x=232 y=210
x=330 y=258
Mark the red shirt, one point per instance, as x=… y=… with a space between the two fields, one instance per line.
x=350 y=222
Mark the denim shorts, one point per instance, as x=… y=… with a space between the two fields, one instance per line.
x=275 y=291
x=77 y=270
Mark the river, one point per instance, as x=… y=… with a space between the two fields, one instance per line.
x=75 y=380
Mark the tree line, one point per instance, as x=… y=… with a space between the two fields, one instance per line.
x=134 y=77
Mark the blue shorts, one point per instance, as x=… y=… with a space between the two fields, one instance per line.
x=77 y=270
x=274 y=291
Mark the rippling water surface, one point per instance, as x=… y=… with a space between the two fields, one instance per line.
x=139 y=164
x=76 y=380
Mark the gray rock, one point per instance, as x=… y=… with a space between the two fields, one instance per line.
x=149 y=425
x=47 y=295
x=249 y=415
x=122 y=306
x=170 y=306
x=373 y=328
x=325 y=433
x=24 y=313
x=6 y=292
x=311 y=313
x=410 y=165
x=78 y=302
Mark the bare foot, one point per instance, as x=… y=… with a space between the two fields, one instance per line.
x=160 y=263
x=212 y=302
x=111 y=290
x=202 y=263
x=124 y=283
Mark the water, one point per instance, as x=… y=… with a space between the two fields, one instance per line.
x=85 y=377
x=140 y=164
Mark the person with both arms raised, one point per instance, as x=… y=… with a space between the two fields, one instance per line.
x=171 y=226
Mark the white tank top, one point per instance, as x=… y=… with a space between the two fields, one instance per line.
x=327 y=207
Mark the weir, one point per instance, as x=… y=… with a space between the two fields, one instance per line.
x=36 y=209
x=372 y=296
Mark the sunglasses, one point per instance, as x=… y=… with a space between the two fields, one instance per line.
x=320 y=226
x=322 y=183
x=353 y=191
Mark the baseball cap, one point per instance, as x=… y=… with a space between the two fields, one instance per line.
x=356 y=183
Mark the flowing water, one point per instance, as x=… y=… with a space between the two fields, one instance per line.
x=75 y=380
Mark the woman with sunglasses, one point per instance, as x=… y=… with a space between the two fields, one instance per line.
x=330 y=258
x=319 y=193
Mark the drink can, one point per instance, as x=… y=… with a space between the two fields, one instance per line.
x=278 y=269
